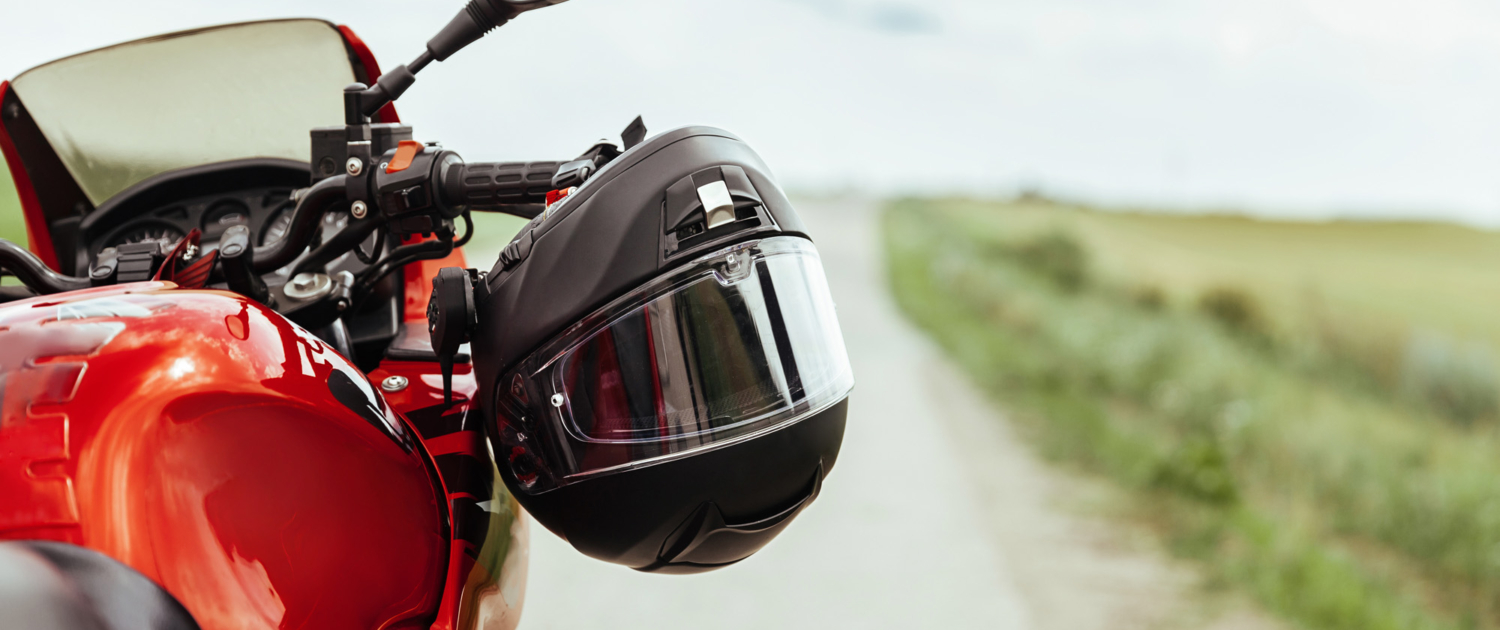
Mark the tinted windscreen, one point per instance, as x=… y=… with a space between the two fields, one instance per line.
x=121 y=114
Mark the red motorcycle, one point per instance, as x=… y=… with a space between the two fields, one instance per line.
x=249 y=386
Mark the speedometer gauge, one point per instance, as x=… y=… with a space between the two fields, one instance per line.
x=277 y=227
x=152 y=232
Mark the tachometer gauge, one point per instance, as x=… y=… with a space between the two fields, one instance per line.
x=221 y=216
x=153 y=231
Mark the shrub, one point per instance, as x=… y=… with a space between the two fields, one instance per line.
x=1057 y=256
x=1456 y=381
x=1149 y=297
x=1235 y=308
x=1197 y=469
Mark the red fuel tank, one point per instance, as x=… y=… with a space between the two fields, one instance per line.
x=223 y=452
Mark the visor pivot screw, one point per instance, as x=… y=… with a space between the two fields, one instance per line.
x=359 y=209
x=557 y=400
x=354 y=166
x=393 y=383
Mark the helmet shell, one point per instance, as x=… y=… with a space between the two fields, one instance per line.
x=619 y=231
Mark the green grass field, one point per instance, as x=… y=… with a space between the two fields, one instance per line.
x=1310 y=410
x=12 y=224
x=1382 y=275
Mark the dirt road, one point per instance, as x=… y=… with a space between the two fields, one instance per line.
x=936 y=516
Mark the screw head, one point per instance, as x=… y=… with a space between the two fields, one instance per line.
x=393 y=383
x=359 y=209
x=557 y=400
x=354 y=166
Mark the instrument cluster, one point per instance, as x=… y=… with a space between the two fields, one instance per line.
x=267 y=211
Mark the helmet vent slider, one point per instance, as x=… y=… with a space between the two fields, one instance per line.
x=718 y=206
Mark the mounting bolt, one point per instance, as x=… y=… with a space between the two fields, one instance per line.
x=359 y=209
x=393 y=383
x=354 y=166
x=557 y=400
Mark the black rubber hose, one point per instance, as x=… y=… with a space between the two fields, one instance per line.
x=305 y=219
x=33 y=273
x=356 y=232
x=468 y=230
x=402 y=256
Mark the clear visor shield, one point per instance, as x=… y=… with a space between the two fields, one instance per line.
x=737 y=343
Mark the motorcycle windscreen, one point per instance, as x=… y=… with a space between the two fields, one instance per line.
x=119 y=115
x=737 y=343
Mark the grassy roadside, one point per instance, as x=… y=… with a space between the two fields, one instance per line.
x=12 y=223
x=1291 y=466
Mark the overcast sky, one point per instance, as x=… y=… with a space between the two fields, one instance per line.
x=1296 y=108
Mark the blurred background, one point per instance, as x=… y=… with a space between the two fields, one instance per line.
x=1165 y=314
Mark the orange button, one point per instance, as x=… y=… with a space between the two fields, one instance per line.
x=405 y=153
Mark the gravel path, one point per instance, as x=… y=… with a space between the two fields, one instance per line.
x=936 y=516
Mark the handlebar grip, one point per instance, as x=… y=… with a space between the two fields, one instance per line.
x=499 y=183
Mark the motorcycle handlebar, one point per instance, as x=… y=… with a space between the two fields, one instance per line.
x=34 y=273
x=305 y=219
x=498 y=183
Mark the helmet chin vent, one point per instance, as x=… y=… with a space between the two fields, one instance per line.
x=705 y=541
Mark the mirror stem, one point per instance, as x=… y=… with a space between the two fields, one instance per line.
x=473 y=22
x=420 y=62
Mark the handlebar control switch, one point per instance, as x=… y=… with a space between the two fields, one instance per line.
x=138 y=262
x=407 y=187
x=451 y=317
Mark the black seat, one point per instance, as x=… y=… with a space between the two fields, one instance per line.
x=48 y=585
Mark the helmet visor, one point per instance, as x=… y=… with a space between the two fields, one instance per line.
x=736 y=343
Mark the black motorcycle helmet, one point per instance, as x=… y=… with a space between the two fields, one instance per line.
x=659 y=362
